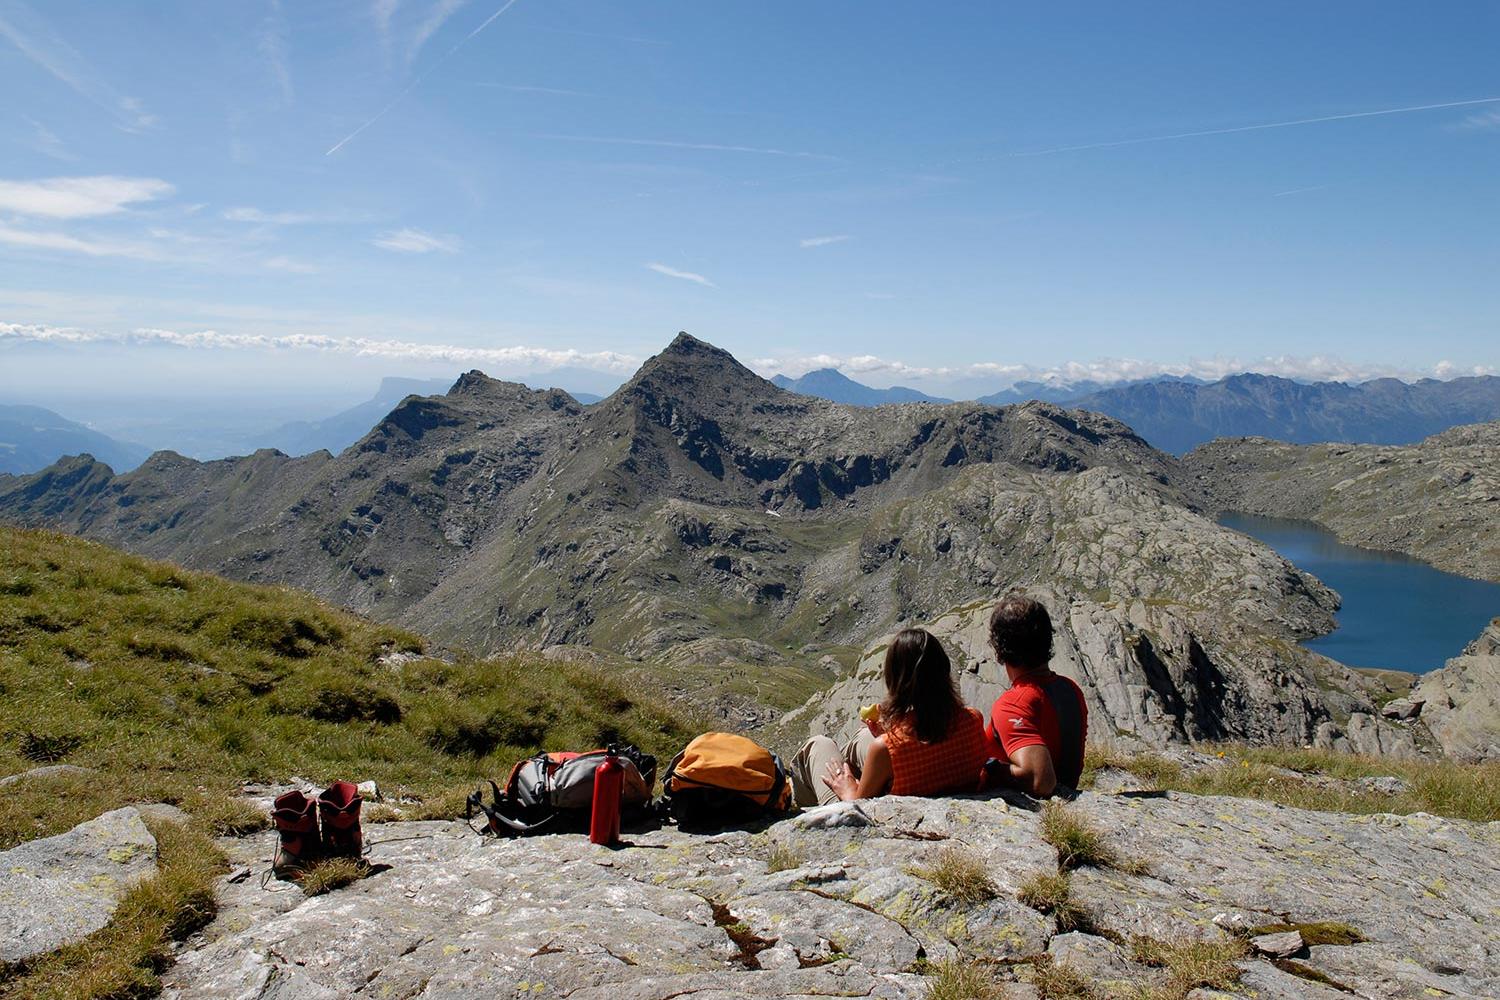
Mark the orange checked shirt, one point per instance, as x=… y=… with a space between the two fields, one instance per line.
x=953 y=764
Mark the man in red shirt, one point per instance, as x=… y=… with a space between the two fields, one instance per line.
x=1038 y=726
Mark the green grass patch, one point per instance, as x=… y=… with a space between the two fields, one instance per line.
x=1052 y=893
x=331 y=874
x=1438 y=786
x=175 y=686
x=961 y=874
x=1059 y=982
x=958 y=980
x=1190 y=964
x=1078 y=842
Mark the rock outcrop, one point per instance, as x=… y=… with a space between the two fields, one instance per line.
x=847 y=907
x=1438 y=500
x=59 y=889
x=1460 y=704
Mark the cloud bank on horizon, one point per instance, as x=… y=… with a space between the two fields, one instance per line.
x=520 y=359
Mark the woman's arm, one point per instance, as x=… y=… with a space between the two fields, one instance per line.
x=874 y=779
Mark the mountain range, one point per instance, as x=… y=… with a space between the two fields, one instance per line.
x=32 y=438
x=834 y=385
x=1179 y=416
x=750 y=540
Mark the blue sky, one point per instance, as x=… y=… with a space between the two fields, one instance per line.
x=303 y=197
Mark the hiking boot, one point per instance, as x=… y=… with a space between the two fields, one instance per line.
x=338 y=812
x=296 y=819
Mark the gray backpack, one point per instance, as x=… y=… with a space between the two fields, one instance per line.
x=555 y=791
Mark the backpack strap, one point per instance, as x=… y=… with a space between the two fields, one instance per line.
x=773 y=797
x=496 y=822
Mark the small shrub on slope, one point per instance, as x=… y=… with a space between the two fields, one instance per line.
x=960 y=874
x=1078 y=842
x=958 y=980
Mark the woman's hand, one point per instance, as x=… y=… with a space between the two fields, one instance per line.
x=840 y=777
x=874 y=726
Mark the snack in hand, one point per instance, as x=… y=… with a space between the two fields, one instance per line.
x=870 y=713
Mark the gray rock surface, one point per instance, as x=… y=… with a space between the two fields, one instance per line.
x=1461 y=702
x=46 y=771
x=1281 y=945
x=63 y=888
x=704 y=916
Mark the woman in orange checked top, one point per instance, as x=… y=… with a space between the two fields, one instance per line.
x=922 y=741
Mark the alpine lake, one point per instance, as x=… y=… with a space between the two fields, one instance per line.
x=1398 y=613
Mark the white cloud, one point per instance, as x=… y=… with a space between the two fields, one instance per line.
x=381 y=12
x=290 y=265
x=79 y=197
x=436 y=17
x=272 y=43
x=42 y=240
x=1315 y=368
x=415 y=241
x=712 y=147
x=517 y=357
x=36 y=40
x=672 y=272
x=1484 y=121
x=247 y=214
x=47 y=142
x=822 y=241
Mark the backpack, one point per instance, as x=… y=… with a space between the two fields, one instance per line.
x=720 y=779
x=555 y=791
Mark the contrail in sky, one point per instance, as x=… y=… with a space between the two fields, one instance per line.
x=422 y=76
x=1250 y=128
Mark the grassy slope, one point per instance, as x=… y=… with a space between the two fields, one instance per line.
x=177 y=686
x=1293 y=778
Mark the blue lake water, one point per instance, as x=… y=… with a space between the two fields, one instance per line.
x=1398 y=612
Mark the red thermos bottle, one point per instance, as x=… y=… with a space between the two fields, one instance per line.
x=604 y=820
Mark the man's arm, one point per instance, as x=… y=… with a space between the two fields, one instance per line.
x=1031 y=771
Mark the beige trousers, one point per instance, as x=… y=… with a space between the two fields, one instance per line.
x=811 y=763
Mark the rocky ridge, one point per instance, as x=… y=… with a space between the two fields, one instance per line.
x=751 y=540
x=839 y=902
x=1460 y=704
x=1438 y=500
x=687 y=505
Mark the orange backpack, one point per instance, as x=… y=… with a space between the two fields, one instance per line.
x=721 y=778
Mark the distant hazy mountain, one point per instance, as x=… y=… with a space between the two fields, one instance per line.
x=832 y=384
x=32 y=438
x=1055 y=392
x=335 y=433
x=1178 y=416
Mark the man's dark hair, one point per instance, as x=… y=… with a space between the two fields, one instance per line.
x=1021 y=632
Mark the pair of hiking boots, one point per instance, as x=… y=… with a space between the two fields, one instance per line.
x=310 y=830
